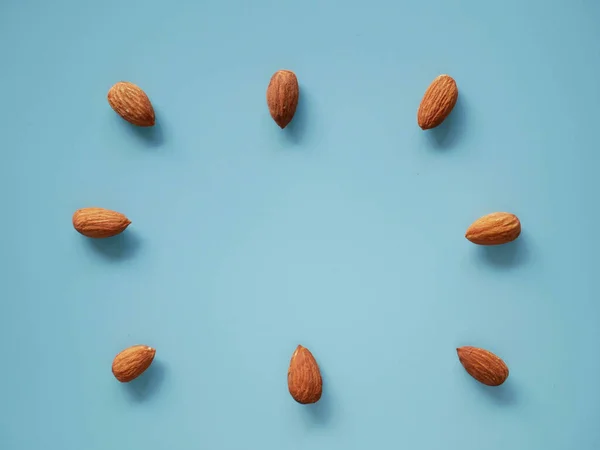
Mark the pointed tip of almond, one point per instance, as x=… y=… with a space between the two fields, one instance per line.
x=151 y=119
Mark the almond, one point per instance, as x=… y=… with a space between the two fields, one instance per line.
x=132 y=362
x=483 y=365
x=131 y=103
x=304 y=377
x=282 y=97
x=494 y=229
x=99 y=222
x=438 y=102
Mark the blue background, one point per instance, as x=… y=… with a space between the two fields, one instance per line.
x=343 y=233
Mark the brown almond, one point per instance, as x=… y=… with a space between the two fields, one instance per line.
x=282 y=97
x=494 y=229
x=483 y=365
x=132 y=362
x=304 y=377
x=438 y=102
x=132 y=104
x=99 y=222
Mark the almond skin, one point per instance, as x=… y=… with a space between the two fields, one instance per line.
x=304 y=377
x=282 y=97
x=438 y=102
x=132 y=104
x=132 y=362
x=483 y=365
x=99 y=222
x=494 y=229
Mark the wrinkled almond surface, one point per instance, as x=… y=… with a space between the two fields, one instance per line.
x=282 y=97
x=99 y=222
x=132 y=104
x=304 y=377
x=494 y=229
x=438 y=102
x=132 y=362
x=483 y=365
